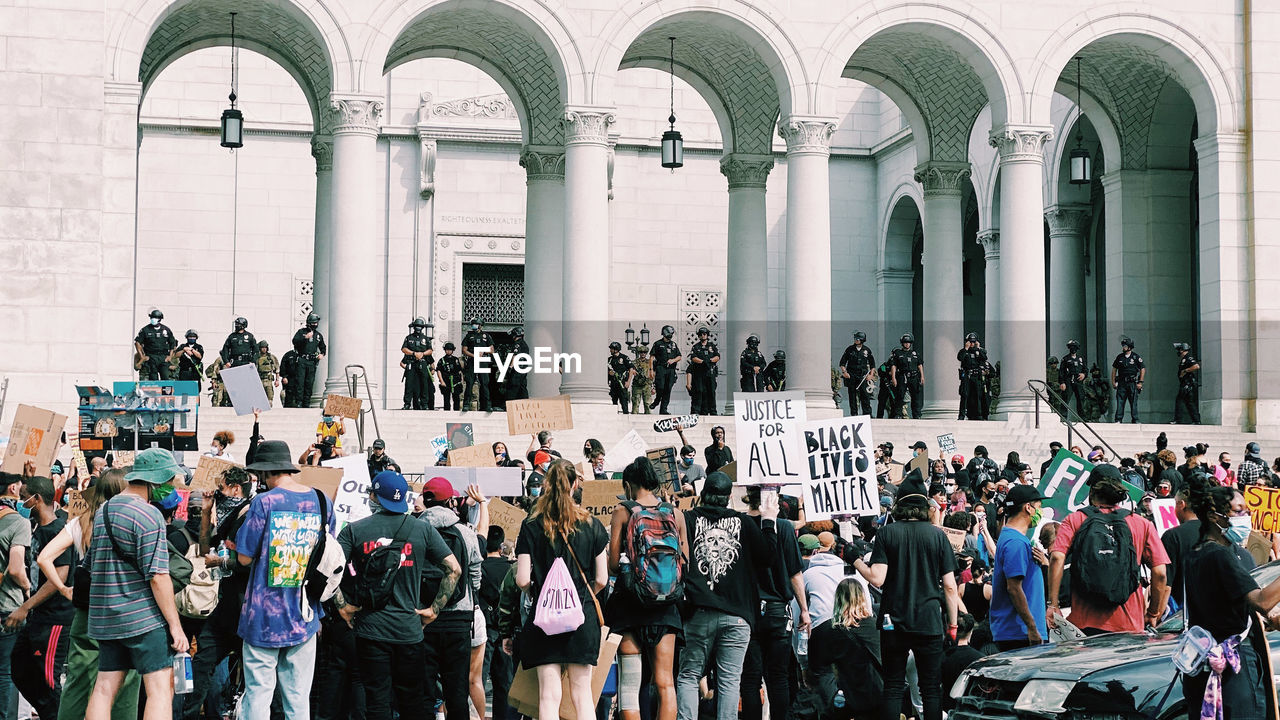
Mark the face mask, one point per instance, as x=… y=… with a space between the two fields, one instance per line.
x=214 y=450
x=688 y=462
x=1035 y=519
x=1226 y=466
x=1238 y=529
x=155 y=321
x=191 y=341
x=158 y=493
x=535 y=491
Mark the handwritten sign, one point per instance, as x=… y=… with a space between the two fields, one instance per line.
x=664 y=464
x=244 y=387
x=840 y=475
x=1064 y=486
x=184 y=507
x=630 y=447
x=525 y=417
x=600 y=497
x=956 y=537
x=506 y=516
x=770 y=446
x=667 y=424
x=342 y=406
x=1264 y=507
x=947 y=443
x=473 y=456
x=1164 y=511
x=33 y=438
x=208 y=469
x=324 y=479
x=74 y=503
x=352 y=500
x=439 y=446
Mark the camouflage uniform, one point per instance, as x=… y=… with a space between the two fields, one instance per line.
x=217 y=393
x=642 y=383
x=268 y=366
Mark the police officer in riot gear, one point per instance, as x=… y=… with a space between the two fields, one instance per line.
x=703 y=357
x=906 y=374
x=858 y=368
x=308 y=342
x=190 y=357
x=973 y=360
x=1127 y=373
x=621 y=370
x=666 y=358
x=1186 y=408
x=751 y=366
x=776 y=373
x=887 y=403
x=154 y=343
x=449 y=374
x=419 y=394
x=1072 y=373
x=476 y=339
x=240 y=347
x=517 y=382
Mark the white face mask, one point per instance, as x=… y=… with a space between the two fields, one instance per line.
x=1238 y=529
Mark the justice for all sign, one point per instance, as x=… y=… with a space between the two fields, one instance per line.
x=770 y=447
x=839 y=472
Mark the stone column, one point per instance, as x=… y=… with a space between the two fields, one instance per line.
x=1022 y=312
x=747 y=309
x=543 y=253
x=808 y=276
x=1068 y=233
x=322 y=151
x=586 y=251
x=990 y=242
x=353 y=303
x=112 y=285
x=943 y=263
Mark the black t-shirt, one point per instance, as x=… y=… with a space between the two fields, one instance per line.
x=396 y=623
x=57 y=609
x=918 y=555
x=853 y=652
x=1178 y=542
x=1216 y=600
x=726 y=551
x=717 y=457
x=775 y=582
x=956 y=660
x=492 y=572
x=588 y=539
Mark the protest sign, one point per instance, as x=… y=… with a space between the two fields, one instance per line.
x=686 y=503
x=324 y=479
x=458 y=477
x=207 y=471
x=439 y=446
x=1064 y=486
x=474 y=456
x=769 y=443
x=525 y=417
x=1264 y=507
x=352 y=500
x=954 y=536
x=184 y=506
x=506 y=516
x=600 y=497
x=244 y=387
x=630 y=447
x=74 y=503
x=341 y=406
x=840 y=476
x=667 y=424
x=947 y=443
x=33 y=438
x=498 y=481
x=122 y=459
x=1164 y=511
x=664 y=464
x=460 y=435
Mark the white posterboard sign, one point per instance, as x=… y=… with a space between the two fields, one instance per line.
x=244 y=387
x=947 y=443
x=630 y=447
x=352 y=500
x=493 y=481
x=840 y=473
x=1165 y=513
x=770 y=447
x=439 y=446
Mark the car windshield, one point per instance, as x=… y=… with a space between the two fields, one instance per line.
x=1263 y=574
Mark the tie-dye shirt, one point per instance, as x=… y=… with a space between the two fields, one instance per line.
x=279 y=532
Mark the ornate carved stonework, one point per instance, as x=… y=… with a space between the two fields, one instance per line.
x=1067 y=220
x=587 y=125
x=942 y=178
x=1021 y=144
x=357 y=114
x=746 y=171
x=812 y=135
x=542 y=163
x=990 y=242
x=322 y=151
x=483 y=106
x=427 y=167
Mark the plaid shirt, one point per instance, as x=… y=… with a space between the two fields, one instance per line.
x=1252 y=472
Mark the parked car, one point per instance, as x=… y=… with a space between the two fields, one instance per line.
x=1118 y=676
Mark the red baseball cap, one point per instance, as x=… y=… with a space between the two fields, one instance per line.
x=542 y=456
x=437 y=488
x=957 y=459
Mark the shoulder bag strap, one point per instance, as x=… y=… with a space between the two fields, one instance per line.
x=583 y=573
x=106 y=523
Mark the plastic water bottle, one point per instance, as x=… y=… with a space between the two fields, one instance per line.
x=182 y=680
x=838 y=700
x=802 y=647
x=888 y=622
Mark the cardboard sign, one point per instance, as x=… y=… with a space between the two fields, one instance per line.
x=1064 y=486
x=184 y=507
x=506 y=516
x=324 y=479
x=207 y=471
x=33 y=437
x=630 y=447
x=686 y=503
x=770 y=445
x=664 y=464
x=74 y=503
x=731 y=470
x=526 y=417
x=667 y=424
x=244 y=387
x=352 y=500
x=342 y=406
x=840 y=475
x=461 y=435
x=955 y=536
x=473 y=456
x=1164 y=511
x=1264 y=507
x=600 y=497
x=947 y=443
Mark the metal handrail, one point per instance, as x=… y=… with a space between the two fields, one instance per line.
x=1044 y=393
x=352 y=379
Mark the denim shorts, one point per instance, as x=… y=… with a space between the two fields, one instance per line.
x=145 y=653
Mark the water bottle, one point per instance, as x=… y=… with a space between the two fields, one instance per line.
x=182 y=680
x=222 y=562
x=838 y=700
x=802 y=647
x=888 y=622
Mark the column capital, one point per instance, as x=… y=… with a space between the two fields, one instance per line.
x=356 y=114
x=122 y=93
x=805 y=134
x=542 y=163
x=942 y=178
x=1021 y=143
x=1068 y=219
x=990 y=242
x=587 y=125
x=322 y=151
x=893 y=275
x=746 y=171
x=426 y=165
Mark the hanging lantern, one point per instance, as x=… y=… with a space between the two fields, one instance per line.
x=672 y=142
x=233 y=119
x=1081 y=162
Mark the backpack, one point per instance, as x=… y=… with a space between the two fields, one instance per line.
x=1104 y=563
x=324 y=567
x=652 y=543
x=377 y=573
x=433 y=574
x=200 y=596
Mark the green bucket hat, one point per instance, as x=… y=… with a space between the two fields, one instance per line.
x=155 y=466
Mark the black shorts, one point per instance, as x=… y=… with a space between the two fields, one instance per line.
x=145 y=653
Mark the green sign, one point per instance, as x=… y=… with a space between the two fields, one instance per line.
x=1064 y=485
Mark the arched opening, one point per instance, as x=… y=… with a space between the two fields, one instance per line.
x=901 y=275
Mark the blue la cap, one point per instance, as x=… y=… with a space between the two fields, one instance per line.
x=392 y=491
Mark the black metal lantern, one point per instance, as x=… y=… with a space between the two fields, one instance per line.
x=430 y=332
x=233 y=119
x=644 y=335
x=1081 y=162
x=631 y=336
x=672 y=142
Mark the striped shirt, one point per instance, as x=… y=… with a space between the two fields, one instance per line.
x=121 y=604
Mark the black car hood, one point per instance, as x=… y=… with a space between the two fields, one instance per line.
x=1076 y=659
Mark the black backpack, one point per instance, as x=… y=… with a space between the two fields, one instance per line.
x=1104 y=563
x=433 y=574
x=377 y=573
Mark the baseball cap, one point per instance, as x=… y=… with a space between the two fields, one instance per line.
x=919 y=445
x=379 y=444
x=392 y=491
x=155 y=466
x=1021 y=495
x=809 y=542
x=957 y=459
x=437 y=488
x=1094 y=455
x=1103 y=472
x=542 y=456
x=886 y=445
x=1055 y=446
x=1253 y=448
x=717 y=483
